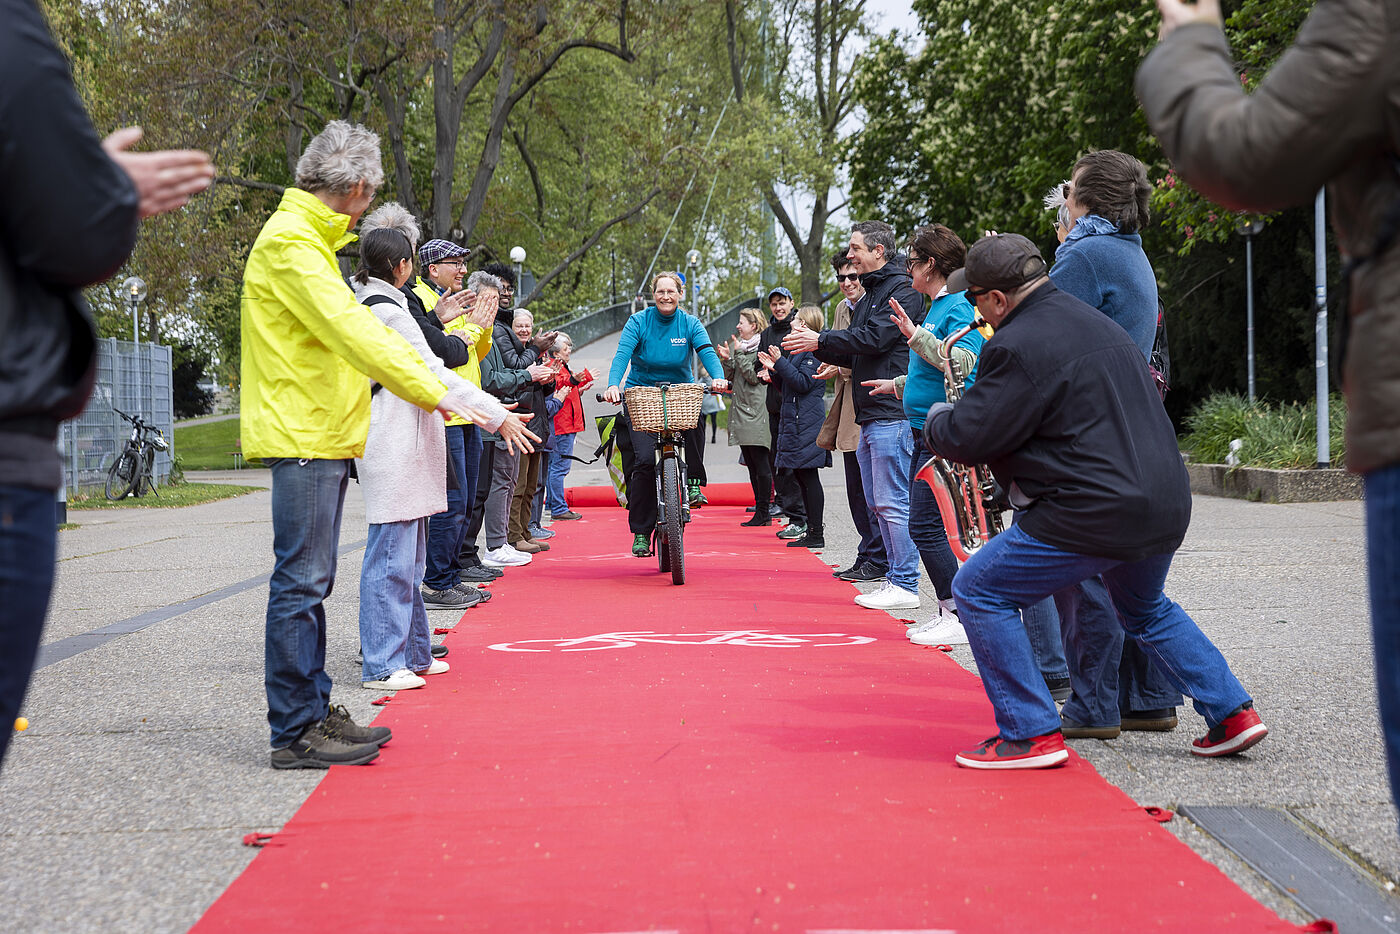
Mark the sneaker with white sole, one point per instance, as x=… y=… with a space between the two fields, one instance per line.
x=401 y=680
x=941 y=630
x=505 y=557
x=436 y=668
x=889 y=597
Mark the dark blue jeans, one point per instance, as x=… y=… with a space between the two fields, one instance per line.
x=1015 y=570
x=28 y=540
x=926 y=526
x=308 y=497
x=1383 y=565
x=447 y=530
x=1110 y=675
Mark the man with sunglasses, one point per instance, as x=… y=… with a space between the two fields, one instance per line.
x=1067 y=417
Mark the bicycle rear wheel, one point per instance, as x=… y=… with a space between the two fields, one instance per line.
x=121 y=476
x=673 y=527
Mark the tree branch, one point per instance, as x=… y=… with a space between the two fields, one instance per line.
x=588 y=245
x=248 y=183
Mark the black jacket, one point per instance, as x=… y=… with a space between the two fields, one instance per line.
x=68 y=219
x=872 y=346
x=1064 y=408
x=518 y=356
x=452 y=351
x=772 y=336
x=802 y=413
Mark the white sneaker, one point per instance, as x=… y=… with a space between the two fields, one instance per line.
x=401 y=680
x=436 y=668
x=505 y=557
x=942 y=630
x=889 y=597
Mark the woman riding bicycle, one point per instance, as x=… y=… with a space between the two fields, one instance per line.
x=656 y=344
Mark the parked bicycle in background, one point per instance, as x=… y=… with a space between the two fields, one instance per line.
x=133 y=471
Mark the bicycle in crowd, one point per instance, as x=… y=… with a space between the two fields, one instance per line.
x=133 y=470
x=668 y=410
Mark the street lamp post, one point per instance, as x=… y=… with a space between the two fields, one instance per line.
x=135 y=289
x=693 y=259
x=517 y=256
x=1249 y=231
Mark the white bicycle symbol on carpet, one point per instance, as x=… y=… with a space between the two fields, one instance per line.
x=754 y=638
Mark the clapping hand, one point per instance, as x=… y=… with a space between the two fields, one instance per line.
x=906 y=325
x=1176 y=13
x=827 y=371
x=544 y=341
x=453 y=305
x=483 y=310
x=801 y=339
x=539 y=372
x=164 y=180
x=722 y=348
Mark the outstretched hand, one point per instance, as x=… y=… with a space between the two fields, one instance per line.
x=514 y=433
x=1175 y=14
x=164 y=180
x=901 y=318
x=801 y=339
x=879 y=387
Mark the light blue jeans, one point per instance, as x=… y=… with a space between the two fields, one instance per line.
x=393 y=620
x=557 y=468
x=1014 y=571
x=884 y=453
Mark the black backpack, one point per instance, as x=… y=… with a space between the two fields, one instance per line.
x=1160 y=361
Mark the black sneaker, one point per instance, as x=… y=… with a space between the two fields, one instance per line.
x=478 y=574
x=317 y=749
x=1060 y=690
x=808 y=541
x=1162 y=720
x=864 y=571
x=439 y=651
x=339 y=725
x=467 y=589
x=449 y=599
x=758 y=518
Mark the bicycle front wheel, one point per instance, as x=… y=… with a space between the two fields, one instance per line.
x=121 y=476
x=673 y=528
x=146 y=477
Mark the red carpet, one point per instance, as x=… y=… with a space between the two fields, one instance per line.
x=759 y=755
x=718 y=494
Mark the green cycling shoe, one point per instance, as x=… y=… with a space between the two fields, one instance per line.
x=641 y=546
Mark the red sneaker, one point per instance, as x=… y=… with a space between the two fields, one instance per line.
x=1038 y=752
x=1235 y=733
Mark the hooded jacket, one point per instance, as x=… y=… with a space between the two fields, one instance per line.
x=872 y=347
x=1327 y=113
x=68 y=219
x=801 y=415
x=308 y=343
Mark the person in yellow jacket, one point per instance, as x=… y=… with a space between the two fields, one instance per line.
x=445 y=584
x=307 y=347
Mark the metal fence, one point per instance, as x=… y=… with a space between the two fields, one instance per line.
x=134 y=378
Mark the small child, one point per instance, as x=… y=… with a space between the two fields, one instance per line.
x=799 y=421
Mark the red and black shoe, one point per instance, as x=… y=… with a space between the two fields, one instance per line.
x=1235 y=733
x=1038 y=752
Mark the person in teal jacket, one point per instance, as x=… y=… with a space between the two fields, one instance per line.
x=655 y=347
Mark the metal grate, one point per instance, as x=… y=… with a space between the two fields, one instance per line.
x=1302 y=865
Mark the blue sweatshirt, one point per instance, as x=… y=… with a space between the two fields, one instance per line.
x=658 y=347
x=924 y=387
x=1110 y=271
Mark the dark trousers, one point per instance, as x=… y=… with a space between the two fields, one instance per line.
x=695 y=454
x=760 y=474
x=809 y=486
x=639 y=467
x=487 y=461
x=872 y=546
x=28 y=544
x=926 y=527
x=447 y=530
x=1110 y=675
x=787 y=493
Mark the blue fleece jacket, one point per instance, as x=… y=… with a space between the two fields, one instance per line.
x=658 y=347
x=924 y=387
x=1109 y=271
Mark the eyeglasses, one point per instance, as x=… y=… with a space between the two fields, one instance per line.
x=848 y=277
x=460 y=264
x=975 y=294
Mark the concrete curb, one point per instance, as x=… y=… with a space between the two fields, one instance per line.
x=1259 y=484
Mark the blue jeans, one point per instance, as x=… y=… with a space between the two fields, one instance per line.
x=1383 y=566
x=28 y=544
x=393 y=620
x=1110 y=675
x=884 y=452
x=926 y=527
x=446 y=529
x=308 y=497
x=1014 y=571
x=557 y=469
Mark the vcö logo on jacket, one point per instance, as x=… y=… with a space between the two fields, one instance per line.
x=680 y=340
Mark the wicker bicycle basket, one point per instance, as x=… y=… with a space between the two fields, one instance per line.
x=675 y=408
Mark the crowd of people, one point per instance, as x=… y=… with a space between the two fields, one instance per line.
x=1059 y=404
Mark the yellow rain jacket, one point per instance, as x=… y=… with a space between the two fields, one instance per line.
x=478 y=338
x=308 y=345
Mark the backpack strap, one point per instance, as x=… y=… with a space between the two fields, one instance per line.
x=378 y=300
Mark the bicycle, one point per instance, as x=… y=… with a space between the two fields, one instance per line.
x=668 y=410
x=133 y=470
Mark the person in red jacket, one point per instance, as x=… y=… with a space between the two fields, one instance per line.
x=568 y=422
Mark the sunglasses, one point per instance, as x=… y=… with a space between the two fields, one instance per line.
x=848 y=277
x=975 y=294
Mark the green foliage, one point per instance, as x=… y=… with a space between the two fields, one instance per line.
x=1275 y=436
x=189 y=365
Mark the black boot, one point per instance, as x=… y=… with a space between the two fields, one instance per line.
x=760 y=516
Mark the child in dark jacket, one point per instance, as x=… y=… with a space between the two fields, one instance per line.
x=800 y=419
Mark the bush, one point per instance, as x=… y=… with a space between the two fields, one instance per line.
x=1280 y=437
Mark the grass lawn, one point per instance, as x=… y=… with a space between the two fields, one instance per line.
x=185 y=494
x=207 y=446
